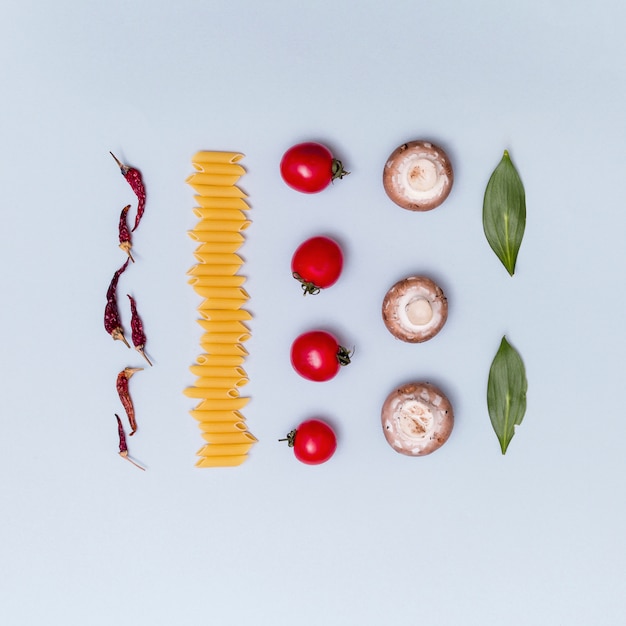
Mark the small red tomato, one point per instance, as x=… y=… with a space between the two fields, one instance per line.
x=313 y=442
x=317 y=264
x=310 y=167
x=316 y=355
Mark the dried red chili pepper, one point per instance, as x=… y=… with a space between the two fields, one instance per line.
x=136 y=325
x=124 y=233
x=133 y=177
x=123 y=447
x=124 y=394
x=112 y=323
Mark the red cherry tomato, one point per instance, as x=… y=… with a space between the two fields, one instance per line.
x=316 y=355
x=317 y=264
x=310 y=167
x=313 y=442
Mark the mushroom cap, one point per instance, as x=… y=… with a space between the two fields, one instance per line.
x=415 y=309
x=417 y=419
x=418 y=176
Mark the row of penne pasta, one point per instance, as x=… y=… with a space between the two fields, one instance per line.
x=219 y=369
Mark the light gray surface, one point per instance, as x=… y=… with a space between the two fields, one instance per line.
x=464 y=536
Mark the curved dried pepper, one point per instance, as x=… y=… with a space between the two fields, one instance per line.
x=112 y=322
x=122 y=389
x=123 y=447
x=134 y=179
x=124 y=233
x=138 y=334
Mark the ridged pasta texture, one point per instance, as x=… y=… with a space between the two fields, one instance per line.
x=219 y=374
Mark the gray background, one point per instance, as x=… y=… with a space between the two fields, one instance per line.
x=464 y=536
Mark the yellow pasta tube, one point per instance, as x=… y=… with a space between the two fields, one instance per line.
x=218 y=237
x=209 y=216
x=209 y=202
x=223 y=427
x=225 y=449
x=219 y=360
x=223 y=348
x=219 y=191
x=212 y=177
x=224 y=404
x=227 y=304
x=227 y=225
x=221 y=258
x=221 y=382
x=237 y=438
x=220 y=247
x=234 y=169
x=223 y=293
x=215 y=280
x=202 y=158
x=218 y=416
x=221 y=461
x=223 y=326
x=221 y=316
x=220 y=270
x=208 y=371
x=224 y=338
x=212 y=393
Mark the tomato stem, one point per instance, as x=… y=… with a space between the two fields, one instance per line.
x=307 y=287
x=290 y=438
x=337 y=170
x=343 y=355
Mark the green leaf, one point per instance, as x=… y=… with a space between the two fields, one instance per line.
x=504 y=212
x=506 y=393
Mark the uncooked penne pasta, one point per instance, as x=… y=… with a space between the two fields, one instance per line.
x=225 y=404
x=219 y=191
x=234 y=169
x=211 y=393
x=222 y=427
x=220 y=270
x=225 y=449
x=224 y=338
x=220 y=316
x=221 y=382
x=228 y=225
x=220 y=303
x=213 y=280
x=211 y=176
x=219 y=360
x=237 y=438
x=226 y=416
x=218 y=247
x=203 y=157
x=209 y=216
x=221 y=461
x=208 y=371
x=221 y=212
x=209 y=202
x=210 y=347
x=217 y=258
x=223 y=326
x=219 y=237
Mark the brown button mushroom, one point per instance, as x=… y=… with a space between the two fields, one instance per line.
x=415 y=309
x=417 y=419
x=418 y=176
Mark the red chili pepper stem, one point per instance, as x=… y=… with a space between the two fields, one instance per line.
x=123 y=447
x=123 y=167
x=143 y=354
x=118 y=333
